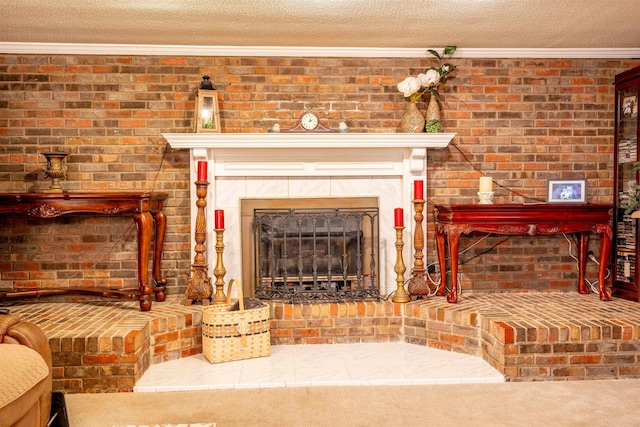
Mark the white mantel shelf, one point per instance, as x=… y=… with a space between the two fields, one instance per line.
x=308 y=140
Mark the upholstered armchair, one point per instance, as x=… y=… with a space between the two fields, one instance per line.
x=25 y=374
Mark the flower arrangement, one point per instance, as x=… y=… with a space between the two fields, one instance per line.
x=433 y=79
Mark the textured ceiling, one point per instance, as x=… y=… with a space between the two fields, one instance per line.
x=335 y=23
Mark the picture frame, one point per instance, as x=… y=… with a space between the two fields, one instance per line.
x=207 y=114
x=567 y=191
x=629 y=106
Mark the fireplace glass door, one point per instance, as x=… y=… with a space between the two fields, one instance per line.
x=319 y=254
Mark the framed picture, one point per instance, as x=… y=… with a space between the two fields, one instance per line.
x=629 y=106
x=567 y=191
x=207 y=115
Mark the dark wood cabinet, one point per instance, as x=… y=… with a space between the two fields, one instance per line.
x=625 y=219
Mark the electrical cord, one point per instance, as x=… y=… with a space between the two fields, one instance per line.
x=516 y=193
x=592 y=285
x=437 y=284
x=127 y=233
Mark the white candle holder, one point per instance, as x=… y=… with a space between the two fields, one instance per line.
x=486 y=197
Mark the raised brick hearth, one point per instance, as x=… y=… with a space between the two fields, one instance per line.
x=107 y=346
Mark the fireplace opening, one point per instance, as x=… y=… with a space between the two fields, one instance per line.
x=321 y=254
x=312 y=253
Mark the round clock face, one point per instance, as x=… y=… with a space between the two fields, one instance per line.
x=309 y=121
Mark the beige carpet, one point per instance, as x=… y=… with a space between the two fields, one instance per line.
x=572 y=403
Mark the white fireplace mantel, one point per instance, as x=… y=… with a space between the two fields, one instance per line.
x=311 y=139
x=316 y=165
x=332 y=153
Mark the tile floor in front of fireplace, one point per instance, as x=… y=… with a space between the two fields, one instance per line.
x=395 y=363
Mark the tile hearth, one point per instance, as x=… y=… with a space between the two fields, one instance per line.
x=394 y=363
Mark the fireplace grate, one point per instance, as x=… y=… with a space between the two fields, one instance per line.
x=314 y=255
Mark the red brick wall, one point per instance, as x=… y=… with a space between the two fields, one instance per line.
x=520 y=121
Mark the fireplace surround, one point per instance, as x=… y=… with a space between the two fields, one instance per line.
x=308 y=165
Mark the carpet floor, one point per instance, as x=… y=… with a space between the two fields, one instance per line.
x=566 y=404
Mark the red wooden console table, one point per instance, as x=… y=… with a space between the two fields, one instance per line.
x=529 y=219
x=147 y=209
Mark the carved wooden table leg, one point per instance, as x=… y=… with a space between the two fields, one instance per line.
x=144 y=223
x=454 y=243
x=442 y=258
x=606 y=232
x=583 y=245
x=159 y=281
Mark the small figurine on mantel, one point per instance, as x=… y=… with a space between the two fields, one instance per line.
x=275 y=128
x=343 y=128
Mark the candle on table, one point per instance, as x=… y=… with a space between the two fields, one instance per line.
x=202 y=171
x=219 y=219
x=398 y=215
x=486 y=184
x=418 y=190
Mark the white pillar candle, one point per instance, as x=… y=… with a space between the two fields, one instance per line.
x=486 y=184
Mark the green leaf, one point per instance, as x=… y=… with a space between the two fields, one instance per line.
x=449 y=50
x=434 y=53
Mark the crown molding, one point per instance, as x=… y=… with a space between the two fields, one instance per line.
x=301 y=51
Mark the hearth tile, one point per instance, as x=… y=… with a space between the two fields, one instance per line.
x=221 y=386
x=299 y=384
x=399 y=382
x=145 y=389
x=195 y=387
x=247 y=385
x=265 y=373
x=350 y=382
x=371 y=372
x=444 y=381
x=273 y=385
x=162 y=388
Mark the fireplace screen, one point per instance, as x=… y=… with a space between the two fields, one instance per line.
x=311 y=255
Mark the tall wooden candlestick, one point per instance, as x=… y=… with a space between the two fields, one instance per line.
x=418 y=285
x=401 y=294
x=219 y=297
x=199 y=287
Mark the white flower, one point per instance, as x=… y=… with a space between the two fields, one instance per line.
x=433 y=79
x=409 y=86
x=430 y=79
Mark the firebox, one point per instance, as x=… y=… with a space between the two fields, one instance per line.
x=322 y=254
x=312 y=250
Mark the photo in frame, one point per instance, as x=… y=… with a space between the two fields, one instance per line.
x=629 y=106
x=207 y=116
x=567 y=191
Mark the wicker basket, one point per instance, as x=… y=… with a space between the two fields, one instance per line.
x=235 y=335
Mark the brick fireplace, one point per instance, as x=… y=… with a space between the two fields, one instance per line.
x=308 y=165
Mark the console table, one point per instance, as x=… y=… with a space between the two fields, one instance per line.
x=528 y=219
x=147 y=209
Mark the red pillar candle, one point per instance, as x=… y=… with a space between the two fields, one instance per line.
x=202 y=171
x=398 y=215
x=219 y=217
x=418 y=190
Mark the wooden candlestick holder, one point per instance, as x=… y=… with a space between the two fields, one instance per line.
x=401 y=294
x=219 y=297
x=418 y=285
x=199 y=287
